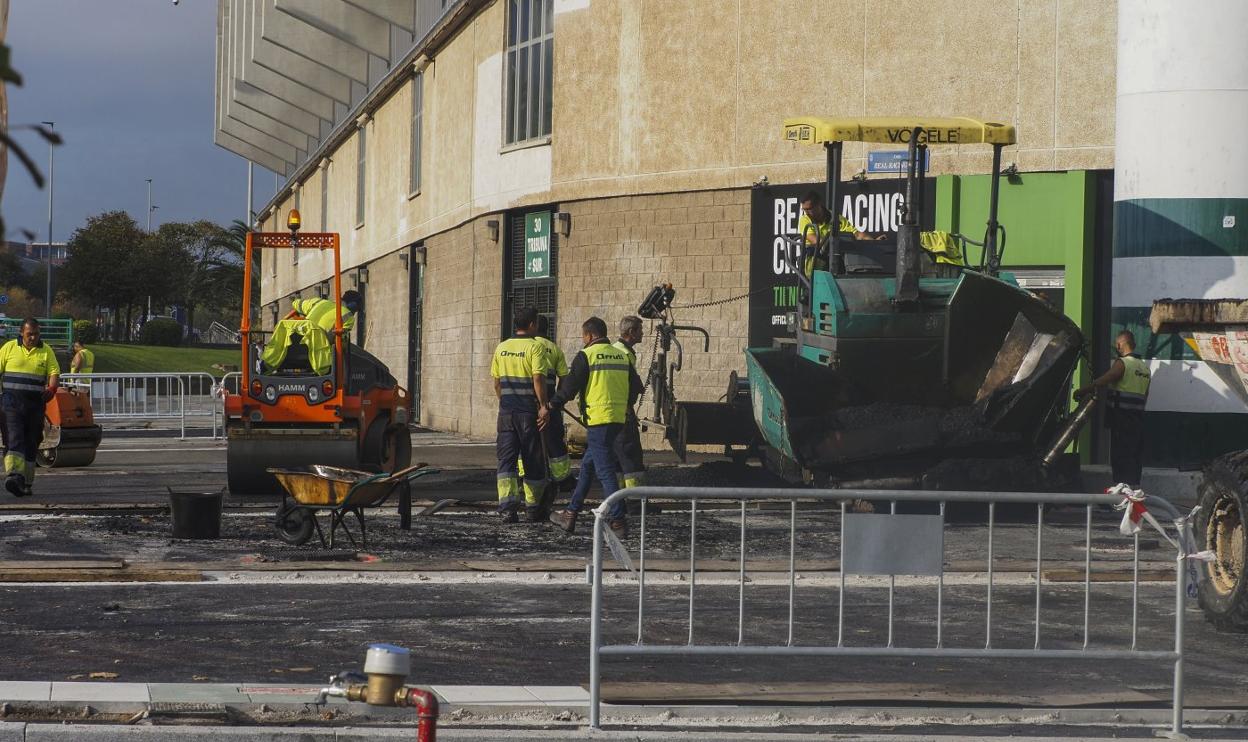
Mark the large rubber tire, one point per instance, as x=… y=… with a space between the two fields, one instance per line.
x=294 y=524
x=50 y=458
x=1219 y=527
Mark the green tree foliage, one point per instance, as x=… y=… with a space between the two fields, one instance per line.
x=161 y=331
x=85 y=330
x=107 y=266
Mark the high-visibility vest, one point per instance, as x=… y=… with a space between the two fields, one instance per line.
x=88 y=362
x=605 y=397
x=558 y=364
x=26 y=371
x=821 y=230
x=632 y=357
x=516 y=361
x=1131 y=391
x=320 y=312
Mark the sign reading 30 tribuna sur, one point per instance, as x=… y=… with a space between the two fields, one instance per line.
x=537 y=244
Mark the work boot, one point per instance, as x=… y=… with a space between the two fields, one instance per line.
x=16 y=485
x=509 y=515
x=619 y=526
x=536 y=513
x=565 y=519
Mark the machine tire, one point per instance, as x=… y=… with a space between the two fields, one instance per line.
x=1220 y=527
x=294 y=524
x=50 y=458
x=396 y=449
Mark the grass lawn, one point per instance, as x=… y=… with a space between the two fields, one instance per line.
x=150 y=359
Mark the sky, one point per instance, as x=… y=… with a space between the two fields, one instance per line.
x=129 y=84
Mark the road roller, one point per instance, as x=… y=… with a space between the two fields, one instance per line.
x=70 y=435
x=320 y=400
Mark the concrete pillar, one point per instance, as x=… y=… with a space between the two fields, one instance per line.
x=1181 y=204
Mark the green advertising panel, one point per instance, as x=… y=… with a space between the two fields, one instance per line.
x=537 y=245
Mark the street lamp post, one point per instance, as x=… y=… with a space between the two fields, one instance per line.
x=51 y=181
x=149 y=204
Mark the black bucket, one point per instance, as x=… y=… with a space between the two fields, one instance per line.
x=196 y=514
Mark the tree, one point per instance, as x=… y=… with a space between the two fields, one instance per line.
x=108 y=265
x=191 y=252
x=226 y=282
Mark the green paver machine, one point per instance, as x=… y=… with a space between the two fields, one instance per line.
x=909 y=366
x=1217 y=331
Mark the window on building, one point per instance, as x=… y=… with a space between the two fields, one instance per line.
x=325 y=197
x=294 y=251
x=418 y=105
x=359 y=175
x=530 y=57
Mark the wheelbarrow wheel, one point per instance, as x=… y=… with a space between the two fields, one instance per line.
x=294 y=524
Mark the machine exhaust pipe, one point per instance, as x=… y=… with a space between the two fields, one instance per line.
x=1069 y=431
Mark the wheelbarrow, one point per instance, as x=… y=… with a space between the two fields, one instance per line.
x=341 y=492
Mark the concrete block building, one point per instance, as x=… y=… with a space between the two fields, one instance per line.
x=641 y=142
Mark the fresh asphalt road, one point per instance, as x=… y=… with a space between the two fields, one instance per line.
x=532 y=628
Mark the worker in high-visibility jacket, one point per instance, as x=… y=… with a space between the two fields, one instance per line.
x=602 y=379
x=305 y=315
x=1127 y=380
x=815 y=228
x=320 y=312
x=83 y=361
x=554 y=435
x=29 y=375
x=519 y=369
x=628 y=444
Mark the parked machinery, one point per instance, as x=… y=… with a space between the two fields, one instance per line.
x=1217 y=331
x=907 y=368
x=70 y=435
x=326 y=402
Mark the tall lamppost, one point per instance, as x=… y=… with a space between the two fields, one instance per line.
x=51 y=182
x=149 y=204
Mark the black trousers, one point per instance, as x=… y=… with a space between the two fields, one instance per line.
x=23 y=431
x=519 y=439
x=1126 y=446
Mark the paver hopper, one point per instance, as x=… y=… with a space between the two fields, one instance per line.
x=908 y=367
x=326 y=402
x=1217 y=331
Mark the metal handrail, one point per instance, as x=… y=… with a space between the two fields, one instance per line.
x=793 y=497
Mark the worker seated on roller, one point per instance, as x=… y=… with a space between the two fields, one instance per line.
x=310 y=325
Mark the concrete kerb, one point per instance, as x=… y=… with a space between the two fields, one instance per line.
x=22 y=732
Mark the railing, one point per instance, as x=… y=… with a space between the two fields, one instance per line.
x=219 y=333
x=59 y=333
x=155 y=396
x=869 y=545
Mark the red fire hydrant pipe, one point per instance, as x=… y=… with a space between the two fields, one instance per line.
x=426 y=714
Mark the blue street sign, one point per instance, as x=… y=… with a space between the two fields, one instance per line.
x=894 y=160
x=4 y=299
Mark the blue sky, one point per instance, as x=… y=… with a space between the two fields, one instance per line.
x=129 y=84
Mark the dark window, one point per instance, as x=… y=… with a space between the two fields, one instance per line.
x=360 y=175
x=415 y=329
x=418 y=104
x=530 y=56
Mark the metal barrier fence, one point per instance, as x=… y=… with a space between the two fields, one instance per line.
x=156 y=396
x=924 y=554
x=59 y=333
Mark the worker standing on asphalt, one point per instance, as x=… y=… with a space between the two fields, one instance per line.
x=628 y=444
x=603 y=380
x=83 y=361
x=553 y=434
x=29 y=375
x=1127 y=379
x=519 y=370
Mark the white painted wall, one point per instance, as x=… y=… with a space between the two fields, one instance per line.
x=499 y=179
